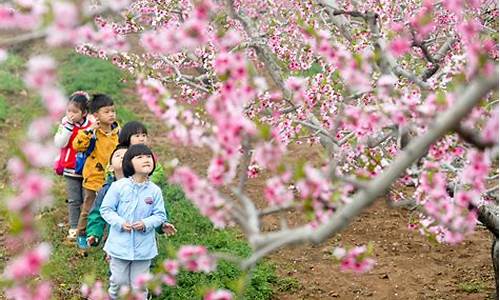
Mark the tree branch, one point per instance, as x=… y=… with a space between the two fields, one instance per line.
x=364 y=198
x=472 y=137
x=488 y=215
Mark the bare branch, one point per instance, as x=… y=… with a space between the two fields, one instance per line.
x=319 y=129
x=472 y=137
x=275 y=209
x=23 y=38
x=488 y=215
x=339 y=21
x=252 y=221
x=42 y=33
x=387 y=58
x=184 y=78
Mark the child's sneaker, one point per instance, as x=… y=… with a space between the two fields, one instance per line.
x=72 y=234
x=81 y=242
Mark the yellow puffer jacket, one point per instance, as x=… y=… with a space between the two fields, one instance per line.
x=95 y=165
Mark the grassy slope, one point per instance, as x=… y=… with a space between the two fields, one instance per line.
x=67 y=268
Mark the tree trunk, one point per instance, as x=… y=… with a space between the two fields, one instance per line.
x=494 y=258
x=488 y=215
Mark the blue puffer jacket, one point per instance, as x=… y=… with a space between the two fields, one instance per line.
x=127 y=201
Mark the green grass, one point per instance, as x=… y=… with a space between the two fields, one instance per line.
x=4 y=108
x=93 y=75
x=68 y=269
x=10 y=83
x=472 y=287
x=78 y=72
x=192 y=229
x=10 y=75
x=287 y=284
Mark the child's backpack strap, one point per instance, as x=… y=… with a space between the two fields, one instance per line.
x=91 y=144
x=81 y=157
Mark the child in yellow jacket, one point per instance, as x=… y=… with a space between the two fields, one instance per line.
x=105 y=131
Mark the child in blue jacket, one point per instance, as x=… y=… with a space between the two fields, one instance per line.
x=133 y=207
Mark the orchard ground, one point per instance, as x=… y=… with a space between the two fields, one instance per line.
x=408 y=266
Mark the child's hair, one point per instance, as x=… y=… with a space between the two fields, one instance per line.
x=129 y=129
x=133 y=151
x=81 y=100
x=120 y=146
x=98 y=101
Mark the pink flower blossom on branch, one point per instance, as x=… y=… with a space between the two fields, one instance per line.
x=29 y=264
x=196 y=259
x=218 y=295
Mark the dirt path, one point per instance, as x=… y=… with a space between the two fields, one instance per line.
x=408 y=266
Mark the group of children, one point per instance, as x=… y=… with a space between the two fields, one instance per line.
x=117 y=188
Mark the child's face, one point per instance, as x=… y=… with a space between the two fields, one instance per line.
x=116 y=160
x=106 y=115
x=139 y=138
x=74 y=113
x=143 y=164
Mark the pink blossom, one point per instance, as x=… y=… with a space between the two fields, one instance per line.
x=355 y=260
x=29 y=264
x=268 y=155
x=40 y=155
x=41 y=72
x=40 y=128
x=222 y=63
x=468 y=30
x=43 y=291
x=230 y=39
x=18 y=292
x=295 y=84
x=277 y=192
x=186 y=178
x=314 y=185
x=55 y=102
x=399 y=46
x=196 y=259
x=203 y=195
x=16 y=167
x=3 y=55
x=7 y=17
x=339 y=252
x=218 y=295
x=490 y=132
x=142 y=280
x=95 y=292
x=253 y=171
x=455 y=6
x=221 y=171
x=118 y=5
x=171 y=266
x=193 y=33
x=35 y=187
x=168 y=280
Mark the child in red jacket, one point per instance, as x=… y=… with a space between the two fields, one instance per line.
x=74 y=121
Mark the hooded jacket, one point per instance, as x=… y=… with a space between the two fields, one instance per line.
x=128 y=201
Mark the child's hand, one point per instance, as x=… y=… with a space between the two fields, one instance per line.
x=91 y=240
x=94 y=125
x=139 y=226
x=168 y=229
x=127 y=227
x=66 y=121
